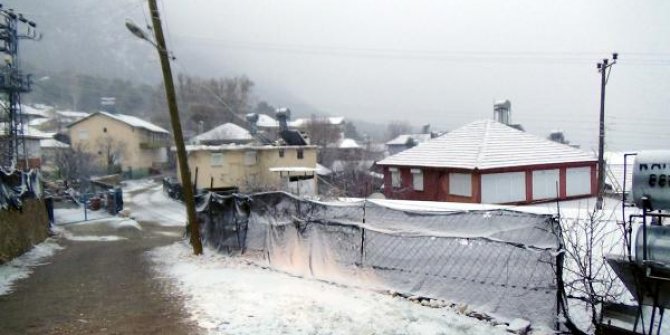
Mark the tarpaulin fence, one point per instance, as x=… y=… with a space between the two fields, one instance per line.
x=16 y=186
x=495 y=261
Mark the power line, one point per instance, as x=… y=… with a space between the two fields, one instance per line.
x=482 y=56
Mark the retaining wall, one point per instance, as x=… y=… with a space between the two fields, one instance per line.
x=21 y=229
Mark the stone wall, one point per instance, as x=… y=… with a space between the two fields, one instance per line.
x=21 y=229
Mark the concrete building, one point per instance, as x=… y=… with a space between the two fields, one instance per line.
x=489 y=162
x=254 y=167
x=122 y=140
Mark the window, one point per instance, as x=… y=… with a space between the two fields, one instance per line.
x=395 y=177
x=417 y=179
x=281 y=153
x=545 y=184
x=216 y=159
x=83 y=134
x=301 y=154
x=250 y=158
x=460 y=184
x=578 y=181
x=501 y=188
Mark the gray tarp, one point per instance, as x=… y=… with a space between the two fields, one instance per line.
x=496 y=261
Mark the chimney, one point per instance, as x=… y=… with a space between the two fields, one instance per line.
x=252 y=118
x=502 y=111
x=425 y=129
x=283 y=115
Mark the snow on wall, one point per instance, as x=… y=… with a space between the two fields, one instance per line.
x=495 y=261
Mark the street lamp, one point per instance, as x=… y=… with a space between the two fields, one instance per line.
x=174 y=120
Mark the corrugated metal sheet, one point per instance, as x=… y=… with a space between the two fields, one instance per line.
x=487 y=144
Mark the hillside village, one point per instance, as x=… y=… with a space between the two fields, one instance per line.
x=304 y=168
x=258 y=156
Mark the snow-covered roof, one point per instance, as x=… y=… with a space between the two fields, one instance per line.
x=322 y=170
x=72 y=114
x=34 y=111
x=487 y=144
x=266 y=121
x=402 y=139
x=228 y=132
x=38 y=122
x=53 y=143
x=28 y=132
x=348 y=143
x=332 y=120
x=136 y=122
x=130 y=120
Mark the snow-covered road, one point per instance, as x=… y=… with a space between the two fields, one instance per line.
x=152 y=204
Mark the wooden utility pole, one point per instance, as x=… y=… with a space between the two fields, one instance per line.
x=187 y=187
x=604 y=76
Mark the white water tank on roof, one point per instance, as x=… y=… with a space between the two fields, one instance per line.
x=651 y=179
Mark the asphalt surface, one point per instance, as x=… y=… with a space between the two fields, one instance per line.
x=98 y=287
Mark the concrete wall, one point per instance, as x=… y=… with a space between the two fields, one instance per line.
x=20 y=230
x=141 y=148
x=236 y=170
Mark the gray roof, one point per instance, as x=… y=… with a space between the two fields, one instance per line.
x=487 y=144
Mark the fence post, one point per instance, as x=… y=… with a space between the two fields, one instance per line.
x=362 y=251
x=85 y=213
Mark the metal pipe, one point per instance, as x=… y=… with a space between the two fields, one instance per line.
x=644 y=233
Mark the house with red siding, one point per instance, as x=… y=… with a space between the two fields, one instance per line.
x=490 y=162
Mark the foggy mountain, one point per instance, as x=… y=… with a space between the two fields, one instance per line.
x=434 y=62
x=89 y=37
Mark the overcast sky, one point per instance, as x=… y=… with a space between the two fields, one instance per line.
x=437 y=62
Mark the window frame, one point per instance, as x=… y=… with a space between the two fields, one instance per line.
x=461 y=179
x=415 y=181
x=396 y=178
x=218 y=161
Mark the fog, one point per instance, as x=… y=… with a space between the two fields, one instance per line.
x=436 y=62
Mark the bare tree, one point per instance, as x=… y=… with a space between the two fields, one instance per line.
x=74 y=163
x=586 y=277
x=326 y=135
x=322 y=132
x=112 y=151
x=396 y=128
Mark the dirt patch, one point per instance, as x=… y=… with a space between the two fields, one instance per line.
x=98 y=288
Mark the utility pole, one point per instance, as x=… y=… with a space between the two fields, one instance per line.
x=604 y=77
x=187 y=187
x=13 y=82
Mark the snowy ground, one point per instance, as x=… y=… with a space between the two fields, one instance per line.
x=227 y=295
x=154 y=205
